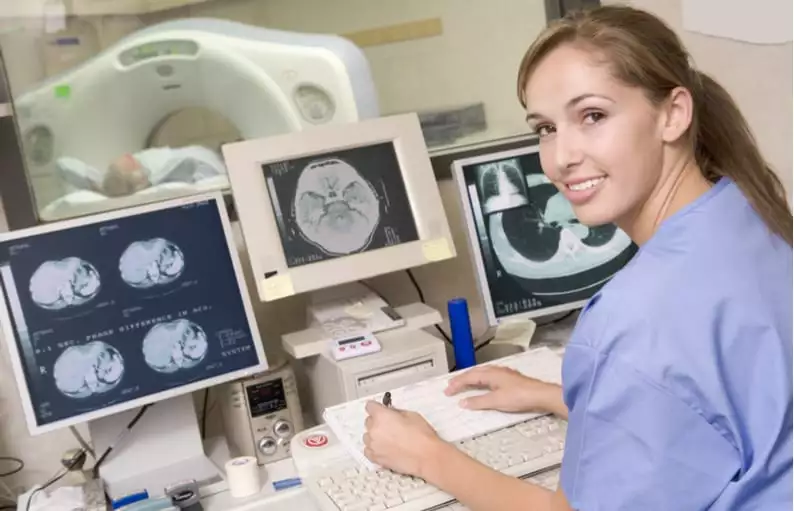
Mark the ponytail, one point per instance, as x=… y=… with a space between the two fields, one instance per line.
x=725 y=147
x=646 y=53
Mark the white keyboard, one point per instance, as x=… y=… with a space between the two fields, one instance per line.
x=444 y=413
x=530 y=450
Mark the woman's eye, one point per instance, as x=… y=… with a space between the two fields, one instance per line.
x=544 y=130
x=593 y=117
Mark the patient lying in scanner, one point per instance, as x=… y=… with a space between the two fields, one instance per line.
x=132 y=173
x=125 y=176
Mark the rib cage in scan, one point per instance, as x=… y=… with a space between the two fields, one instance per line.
x=336 y=209
x=545 y=240
x=502 y=185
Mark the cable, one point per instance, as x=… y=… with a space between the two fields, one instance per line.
x=119 y=439
x=204 y=413
x=80 y=457
x=422 y=299
x=416 y=285
x=80 y=440
x=20 y=465
x=378 y=293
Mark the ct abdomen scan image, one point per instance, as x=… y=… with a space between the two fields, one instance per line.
x=149 y=263
x=175 y=345
x=70 y=282
x=83 y=371
x=336 y=209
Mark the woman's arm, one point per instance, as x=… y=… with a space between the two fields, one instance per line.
x=554 y=402
x=508 y=391
x=481 y=488
x=404 y=442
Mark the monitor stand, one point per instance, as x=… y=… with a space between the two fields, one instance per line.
x=163 y=448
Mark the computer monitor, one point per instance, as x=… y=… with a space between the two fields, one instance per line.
x=105 y=314
x=337 y=204
x=531 y=255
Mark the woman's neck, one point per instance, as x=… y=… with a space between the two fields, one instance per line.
x=678 y=189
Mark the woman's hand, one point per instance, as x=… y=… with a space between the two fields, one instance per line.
x=509 y=391
x=399 y=440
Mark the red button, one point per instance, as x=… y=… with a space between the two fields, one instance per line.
x=366 y=343
x=316 y=441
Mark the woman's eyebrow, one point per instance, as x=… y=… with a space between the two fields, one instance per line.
x=531 y=116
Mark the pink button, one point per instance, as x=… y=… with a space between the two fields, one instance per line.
x=316 y=441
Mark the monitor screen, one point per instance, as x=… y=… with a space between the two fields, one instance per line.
x=535 y=253
x=339 y=203
x=117 y=310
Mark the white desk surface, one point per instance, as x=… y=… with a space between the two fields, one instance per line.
x=553 y=336
x=268 y=499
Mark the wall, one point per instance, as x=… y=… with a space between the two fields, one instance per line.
x=766 y=102
x=758 y=76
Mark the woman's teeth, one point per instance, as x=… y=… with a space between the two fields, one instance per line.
x=584 y=185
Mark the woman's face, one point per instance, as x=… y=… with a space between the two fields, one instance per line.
x=601 y=142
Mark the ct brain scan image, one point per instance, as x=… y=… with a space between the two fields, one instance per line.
x=546 y=241
x=149 y=263
x=336 y=209
x=83 y=371
x=71 y=282
x=502 y=185
x=175 y=345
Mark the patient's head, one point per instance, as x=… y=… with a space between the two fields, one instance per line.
x=125 y=176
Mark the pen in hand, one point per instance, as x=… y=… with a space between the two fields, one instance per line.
x=387 y=399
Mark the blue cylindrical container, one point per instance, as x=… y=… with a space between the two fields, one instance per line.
x=462 y=340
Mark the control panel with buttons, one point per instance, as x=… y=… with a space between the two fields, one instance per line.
x=360 y=344
x=262 y=414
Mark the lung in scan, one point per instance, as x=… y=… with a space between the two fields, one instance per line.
x=83 y=371
x=502 y=185
x=149 y=263
x=545 y=240
x=175 y=345
x=336 y=209
x=70 y=282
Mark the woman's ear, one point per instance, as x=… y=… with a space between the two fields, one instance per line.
x=679 y=110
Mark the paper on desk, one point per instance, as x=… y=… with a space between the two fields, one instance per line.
x=543 y=363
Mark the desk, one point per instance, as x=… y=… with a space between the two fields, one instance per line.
x=293 y=499
x=297 y=499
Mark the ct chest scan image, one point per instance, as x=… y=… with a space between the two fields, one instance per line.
x=535 y=253
x=341 y=203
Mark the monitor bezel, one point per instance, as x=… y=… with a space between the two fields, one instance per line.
x=10 y=335
x=490 y=154
x=274 y=279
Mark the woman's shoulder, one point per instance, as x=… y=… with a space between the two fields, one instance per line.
x=677 y=325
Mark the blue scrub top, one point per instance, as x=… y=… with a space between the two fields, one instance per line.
x=678 y=377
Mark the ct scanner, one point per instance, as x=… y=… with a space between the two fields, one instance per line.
x=265 y=82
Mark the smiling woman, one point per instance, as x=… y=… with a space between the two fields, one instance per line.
x=663 y=373
x=612 y=98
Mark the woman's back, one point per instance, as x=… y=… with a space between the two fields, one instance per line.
x=680 y=370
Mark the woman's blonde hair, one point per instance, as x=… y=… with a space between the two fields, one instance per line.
x=644 y=52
